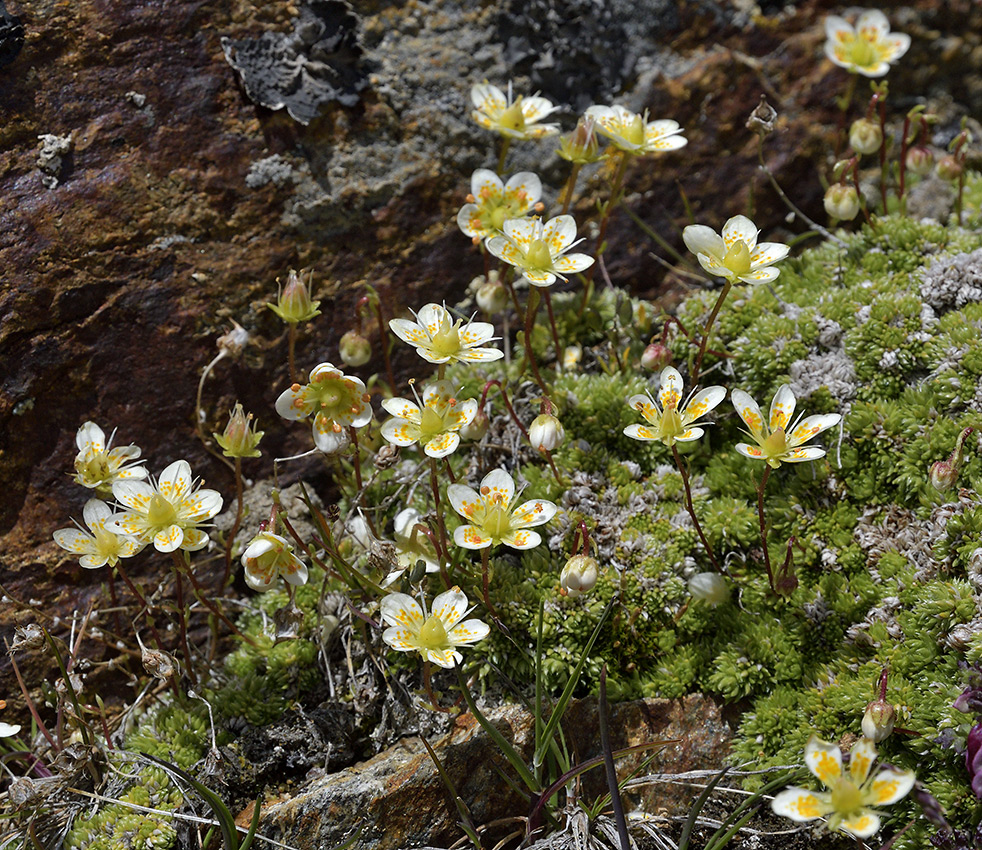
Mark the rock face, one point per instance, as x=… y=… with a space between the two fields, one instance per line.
x=398 y=799
x=177 y=201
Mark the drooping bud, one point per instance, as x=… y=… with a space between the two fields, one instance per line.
x=546 y=432
x=949 y=168
x=710 y=588
x=492 y=297
x=239 y=439
x=920 y=160
x=233 y=343
x=477 y=427
x=842 y=202
x=355 y=349
x=582 y=146
x=578 y=576
x=295 y=302
x=944 y=473
x=656 y=357
x=865 y=136
x=878 y=721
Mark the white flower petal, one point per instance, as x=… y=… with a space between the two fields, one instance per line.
x=824 y=760
x=737 y=228
x=498 y=483
x=700 y=239
x=782 y=408
x=95 y=513
x=450 y=607
x=532 y=513
x=872 y=24
x=749 y=412
x=801 y=805
x=90 y=438
x=400 y=609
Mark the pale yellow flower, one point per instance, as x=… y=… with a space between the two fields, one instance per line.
x=437 y=636
x=490 y=515
x=434 y=425
x=439 y=339
x=849 y=798
x=669 y=425
x=634 y=133
x=867 y=49
x=538 y=250
x=269 y=555
x=735 y=255
x=98 y=546
x=492 y=202
x=515 y=118
x=97 y=465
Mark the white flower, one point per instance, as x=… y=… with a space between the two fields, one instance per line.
x=167 y=513
x=710 y=588
x=669 y=425
x=411 y=547
x=776 y=442
x=516 y=119
x=439 y=339
x=539 y=250
x=434 y=425
x=546 y=433
x=269 y=555
x=102 y=546
x=735 y=255
x=849 y=797
x=437 y=636
x=634 y=133
x=337 y=401
x=493 y=202
x=491 y=519
x=97 y=466
x=869 y=48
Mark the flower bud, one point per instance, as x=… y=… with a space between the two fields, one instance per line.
x=842 y=202
x=578 y=576
x=355 y=349
x=943 y=475
x=711 y=588
x=477 y=427
x=656 y=357
x=239 y=438
x=546 y=432
x=865 y=136
x=582 y=146
x=878 y=720
x=295 y=303
x=920 y=160
x=572 y=357
x=492 y=297
x=949 y=168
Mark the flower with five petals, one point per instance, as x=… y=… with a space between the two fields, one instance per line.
x=670 y=425
x=434 y=425
x=635 y=134
x=491 y=519
x=867 y=49
x=492 y=202
x=776 y=442
x=167 y=513
x=336 y=400
x=97 y=465
x=539 y=250
x=269 y=555
x=514 y=119
x=101 y=546
x=850 y=796
x=439 y=339
x=735 y=255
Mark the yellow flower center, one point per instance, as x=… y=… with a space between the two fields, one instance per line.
x=513 y=118
x=334 y=397
x=94 y=468
x=446 y=341
x=433 y=634
x=497 y=217
x=737 y=258
x=846 y=797
x=430 y=424
x=670 y=425
x=863 y=54
x=776 y=444
x=497 y=519
x=633 y=130
x=538 y=255
x=160 y=513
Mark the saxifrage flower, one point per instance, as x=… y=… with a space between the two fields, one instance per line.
x=97 y=465
x=850 y=797
x=437 y=636
x=735 y=255
x=538 y=250
x=490 y=517
x=634 y=133
x=867 y=49
x=515 y=118
x=492 y=202
x=167 y=513
x=669 y=425
x=98 y=546
x=434 y=425
x=776 y=442
x=269 y=555
x=336 y=400
x=439 y=339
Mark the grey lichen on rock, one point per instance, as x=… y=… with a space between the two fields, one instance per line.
x=319 y=62
x=52 y=158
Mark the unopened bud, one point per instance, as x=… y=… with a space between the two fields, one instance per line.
x=546 y=433
x=492 y=297
x=477 y=427
x=949 y=168
x=578 y=576
x=878 y=720
x=239 y=439
x=943 y=476
x=920 y=160
x=656 y=357
x=355 y=349
x=582 y=145
x=842 y=202
x=710 y=588
x=762 y=119
x=865 y=136
x=295 y=302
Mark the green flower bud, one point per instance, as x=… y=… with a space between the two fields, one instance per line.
x=239 y=439
x=842 y=202
x=920 y=160
x=949 y=168
x=865 y=136
x=582 y=146
x=355 y=349
x=295 y=302
x=656 y=357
